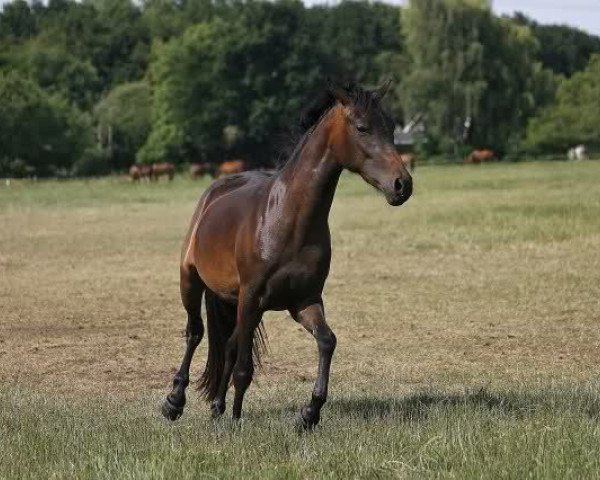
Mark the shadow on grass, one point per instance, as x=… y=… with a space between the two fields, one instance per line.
x=417 y=407
x=575 y=401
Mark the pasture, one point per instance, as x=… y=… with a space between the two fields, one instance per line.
x=467 y=324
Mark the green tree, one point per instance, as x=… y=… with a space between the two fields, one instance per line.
x=123 y=118
x=574 y=118
x=362 y=41
x=59 y=72
x=250 y=76
x=40 y=134
x=563 y=49
x=354 y=33
x=17 y=21
x=467 y=63
x=108 y=34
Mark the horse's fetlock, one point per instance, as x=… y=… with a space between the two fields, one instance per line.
x=181 y=381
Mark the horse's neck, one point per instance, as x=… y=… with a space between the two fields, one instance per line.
x=311 y=179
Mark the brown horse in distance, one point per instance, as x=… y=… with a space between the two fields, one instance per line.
x=260 y=241
x=135 y=173
x=480 y=156
x=160 y=169
x=198 y=170
x=231 y=167
x=138 y=172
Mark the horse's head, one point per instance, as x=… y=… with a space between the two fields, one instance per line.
x=362 y=138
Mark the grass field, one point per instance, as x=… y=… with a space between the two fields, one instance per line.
x=467 y=324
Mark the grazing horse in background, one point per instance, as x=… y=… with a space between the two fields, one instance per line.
x=135 y=173
x=139 y=171
x=577 y=153
x=231 y=167
x=146 y=171
x=198 y=170
x=160 y=169
x=480 y=156
x=260 y=241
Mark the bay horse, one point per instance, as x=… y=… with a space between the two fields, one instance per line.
x=260 y=241
x=480 y=156
x=140 y=171
x=135 y=173
x=160 y=169
x=198 y=170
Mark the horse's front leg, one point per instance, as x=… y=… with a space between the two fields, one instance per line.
x=312 y=318
x=248 y=318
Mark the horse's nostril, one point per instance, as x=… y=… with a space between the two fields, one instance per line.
x=398 y=185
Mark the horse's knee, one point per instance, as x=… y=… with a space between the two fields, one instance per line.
x=242 y=377
x=326 y=341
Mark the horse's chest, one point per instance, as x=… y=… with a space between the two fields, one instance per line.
x=296 y=279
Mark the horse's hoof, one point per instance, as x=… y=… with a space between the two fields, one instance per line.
x=307 y=420
x=217 y=409
x=170 y=411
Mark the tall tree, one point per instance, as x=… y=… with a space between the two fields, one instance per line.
x=123 y=119
x=574 y=118
x=563 y=49
x=227 y=87
x=468 y=64
x=40 y=134
x=17 y=21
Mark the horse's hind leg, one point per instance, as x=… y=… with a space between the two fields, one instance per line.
x=192 y=289
x=248 y=319
x=312 y=318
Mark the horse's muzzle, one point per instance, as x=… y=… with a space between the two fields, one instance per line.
x=401 y=191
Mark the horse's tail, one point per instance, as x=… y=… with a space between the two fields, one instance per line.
x=221 y=320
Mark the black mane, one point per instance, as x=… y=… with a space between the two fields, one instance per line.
x=320 y=105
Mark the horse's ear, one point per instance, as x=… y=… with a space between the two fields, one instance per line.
x=381 y=91
x=341 y=94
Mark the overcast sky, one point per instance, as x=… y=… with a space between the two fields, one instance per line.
x=584 y=14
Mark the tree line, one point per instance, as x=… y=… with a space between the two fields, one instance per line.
x=91 y=87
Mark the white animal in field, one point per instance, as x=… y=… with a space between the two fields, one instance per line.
x=577 y=153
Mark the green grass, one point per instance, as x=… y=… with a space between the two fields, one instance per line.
x=467 y=326
x=523 y=433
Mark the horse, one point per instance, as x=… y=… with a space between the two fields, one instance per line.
x=577 y=153
x=160 y=169
x=146 y=171
x=260 y=241
x=231 y=167
x=198 y=170
x=138 y=172
x=135 y=173
x=480 y=156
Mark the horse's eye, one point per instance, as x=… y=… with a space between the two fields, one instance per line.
x=362 y=128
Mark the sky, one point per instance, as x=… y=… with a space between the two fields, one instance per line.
x=584 y=14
